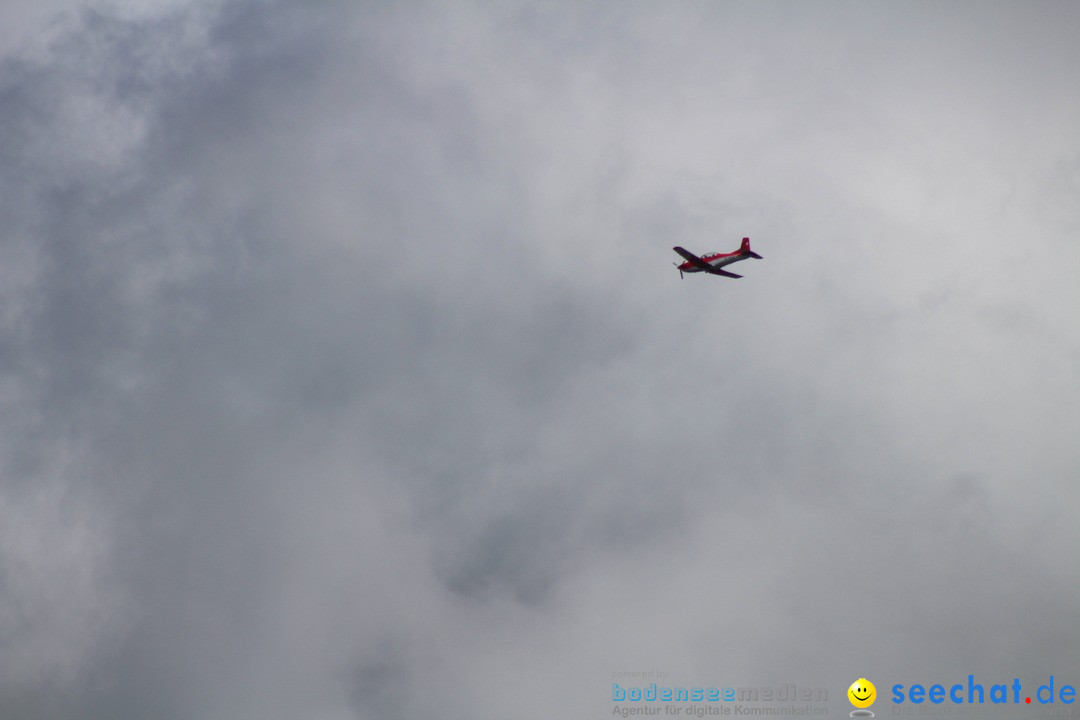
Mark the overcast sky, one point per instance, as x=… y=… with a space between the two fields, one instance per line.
x=344 y=372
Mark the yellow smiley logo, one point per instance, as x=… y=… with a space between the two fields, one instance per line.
x=862 y=693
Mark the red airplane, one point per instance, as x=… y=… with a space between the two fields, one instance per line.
x=712 y=262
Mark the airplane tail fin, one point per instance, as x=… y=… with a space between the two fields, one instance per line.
x=745 y=249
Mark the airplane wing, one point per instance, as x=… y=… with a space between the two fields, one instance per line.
x=701 y=264
x=694 y=259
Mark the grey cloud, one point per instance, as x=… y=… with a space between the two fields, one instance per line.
x=345 y=374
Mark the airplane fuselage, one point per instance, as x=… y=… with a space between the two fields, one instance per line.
x=713 y=262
